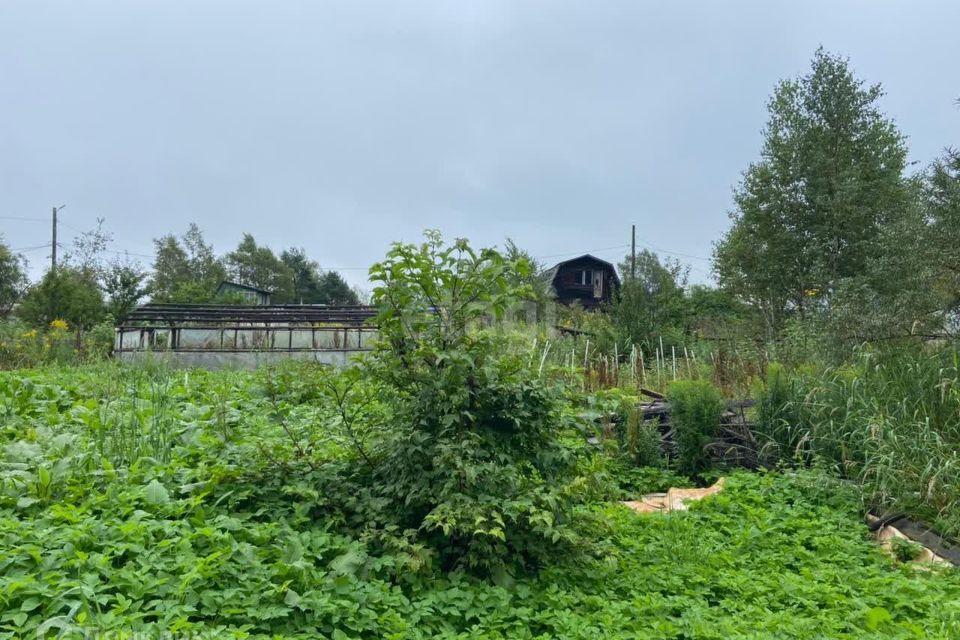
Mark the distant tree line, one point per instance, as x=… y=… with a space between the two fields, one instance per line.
x=92 y=285
x=186 y=269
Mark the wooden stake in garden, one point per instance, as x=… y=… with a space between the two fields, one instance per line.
x=616 y=364
x=546 y=350
x=586 y=370
x=659 y=369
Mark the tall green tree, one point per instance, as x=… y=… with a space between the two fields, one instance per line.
x=185 y=268
x=712 y=312
x=124 y=283
x=893 y=295
x=122 y=280
x=312 y=285
x=255 y=265
x=66 y=293
x=528 y=274
x=305 y=275
x=13 y=278
x=89 y=247
x=942 y=207
x=811 y=211
x=334 y=290
x=651 y=306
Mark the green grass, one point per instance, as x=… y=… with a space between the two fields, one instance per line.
x=162 y=501
x=889 y=421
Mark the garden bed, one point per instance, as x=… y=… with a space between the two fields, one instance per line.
x=206 y=539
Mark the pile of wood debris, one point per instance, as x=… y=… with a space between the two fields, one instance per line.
x=735 y=444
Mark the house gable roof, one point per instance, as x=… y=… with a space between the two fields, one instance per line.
x=245 y=287
x=551 y=274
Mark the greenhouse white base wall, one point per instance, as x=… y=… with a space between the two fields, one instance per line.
x=234 y=359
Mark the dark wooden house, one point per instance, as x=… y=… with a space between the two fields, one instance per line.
x=253 y=295
x=587 y=280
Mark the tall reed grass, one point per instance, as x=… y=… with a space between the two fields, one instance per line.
x=890 y=421
x=135 y=417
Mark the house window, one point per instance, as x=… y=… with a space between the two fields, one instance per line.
x=585 y=277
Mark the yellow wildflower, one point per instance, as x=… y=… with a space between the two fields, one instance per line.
x=59 y=324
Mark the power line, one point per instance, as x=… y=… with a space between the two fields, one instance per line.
x=673 y=253
x=39 y=246
x=22 y=219
x=552 y=255
x=69 y=226
x=574 y=253
x=116 y=251
x=127 y=253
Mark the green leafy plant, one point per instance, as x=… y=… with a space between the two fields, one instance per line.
x=695 y=415
x=904 y=549
x=221 y=541
x=474 y=463
x=643 y=440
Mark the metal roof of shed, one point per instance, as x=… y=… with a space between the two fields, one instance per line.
x=221 y=313
x=246 y=287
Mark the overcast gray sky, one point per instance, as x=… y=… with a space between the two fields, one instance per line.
x=342 y=126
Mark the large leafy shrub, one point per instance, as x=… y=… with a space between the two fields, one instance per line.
x=474 y=463
x=68 y=293
x=13 y=278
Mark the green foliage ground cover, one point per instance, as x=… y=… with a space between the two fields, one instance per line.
x=180 y=502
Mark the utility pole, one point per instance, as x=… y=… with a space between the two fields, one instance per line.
x=53 y=243
x=53 y=239
x=633 y=251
